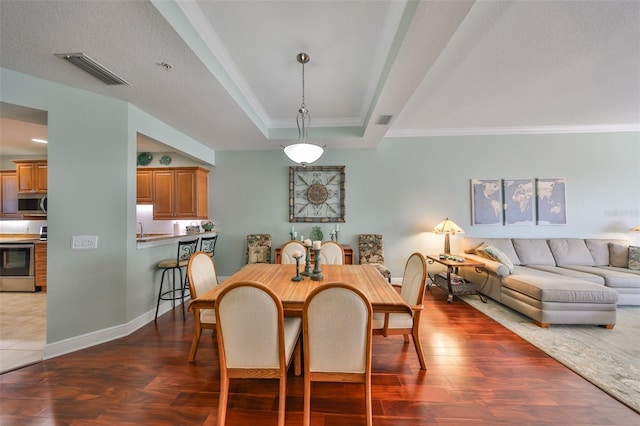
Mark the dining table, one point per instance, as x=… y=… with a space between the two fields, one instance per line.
x=278 y=277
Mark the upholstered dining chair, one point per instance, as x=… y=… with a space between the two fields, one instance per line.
x=371 y=251
x=208 y=244
x=185 y=250
x=412 y=291
x=337 y=338
x=259 y=248
x=201 y=272
x=290 y=247
x=331 y=253
x=255 y=340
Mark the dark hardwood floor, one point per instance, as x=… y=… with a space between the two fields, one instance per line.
x=478 y=373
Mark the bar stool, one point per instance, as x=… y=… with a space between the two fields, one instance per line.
x=185 y=250
x=208 y=244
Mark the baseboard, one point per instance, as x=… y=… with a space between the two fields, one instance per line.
x=52 y=350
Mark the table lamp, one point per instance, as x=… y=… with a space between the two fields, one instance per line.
x=447 y=227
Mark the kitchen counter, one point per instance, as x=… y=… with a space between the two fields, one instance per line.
x=20 y=238
x=155 y=240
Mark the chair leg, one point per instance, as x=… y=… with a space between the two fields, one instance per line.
x=197 y=332
x=160 y=294
x=416 y=342
x=182 y=284
x=224 y=396
x=367 y=400
x=307 y=399
x=282 y=397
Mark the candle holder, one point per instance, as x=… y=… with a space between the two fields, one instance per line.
x=317 y=273
x=307 y=261
x=297 y=277
x=291 y=237
x=337 y=235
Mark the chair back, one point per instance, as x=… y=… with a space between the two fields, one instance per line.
x=331 y=253
x=202 y=274
x=337 y=330
x=186 y=249
x=414 y=279
x=286 y=253
x=208 y=244
x=250 y=323
x=259 y=248
x=370 y=248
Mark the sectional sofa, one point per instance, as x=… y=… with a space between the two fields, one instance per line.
x=556 y=281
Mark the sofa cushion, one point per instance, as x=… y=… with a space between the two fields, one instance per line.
x=533 y=251
x=634 y=258
x=555 y=288
x=597 y=279
x=618 y=255
x=471 y=244
x=496 y=254
x=570 y=251
x=599 y=249
x=613 y=277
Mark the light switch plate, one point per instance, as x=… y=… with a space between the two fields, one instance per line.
x=84 y=242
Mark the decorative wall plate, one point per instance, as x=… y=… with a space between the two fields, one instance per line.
x=144 y=158
x=165 y=160
x=316 y=194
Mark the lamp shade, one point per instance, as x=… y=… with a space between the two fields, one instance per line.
x=636 y=229
x=303 y=153
x=448 y=226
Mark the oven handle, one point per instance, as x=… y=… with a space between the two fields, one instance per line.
x=10 y=245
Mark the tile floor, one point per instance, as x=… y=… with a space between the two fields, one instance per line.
x=23 y=328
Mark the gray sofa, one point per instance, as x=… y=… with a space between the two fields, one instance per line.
x=557 y=281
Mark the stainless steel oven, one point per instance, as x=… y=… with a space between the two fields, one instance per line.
x=17 y=267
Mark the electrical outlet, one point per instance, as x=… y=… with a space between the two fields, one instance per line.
x=84 y=242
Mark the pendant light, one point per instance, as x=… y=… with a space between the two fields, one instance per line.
x=302 y=152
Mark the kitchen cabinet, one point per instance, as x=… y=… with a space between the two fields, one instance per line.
x=32 y=176
x=144 y=194
x=40 y=254
x=180 y=193
x=8 y=194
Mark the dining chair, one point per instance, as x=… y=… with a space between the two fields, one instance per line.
x=371 y=251
x=331 y=253
x=201 y=272
x=337 y=338
x=255 y=340
x=185 y=250
x=208 y=244
x=287 y=250
x=259 y=248
x=412 y=292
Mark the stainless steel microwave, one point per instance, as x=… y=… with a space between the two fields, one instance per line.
x=32 y=204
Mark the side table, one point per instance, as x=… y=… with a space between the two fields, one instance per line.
x=452 y=268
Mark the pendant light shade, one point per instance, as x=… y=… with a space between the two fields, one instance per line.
x=302 y=152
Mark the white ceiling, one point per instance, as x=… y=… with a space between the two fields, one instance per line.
x=438 y=67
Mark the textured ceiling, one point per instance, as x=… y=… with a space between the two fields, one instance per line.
x=438 y=67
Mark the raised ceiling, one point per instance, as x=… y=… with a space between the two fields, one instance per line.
x=437 y=67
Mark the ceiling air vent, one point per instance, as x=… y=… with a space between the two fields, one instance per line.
x=384 y=119
x=87 y=64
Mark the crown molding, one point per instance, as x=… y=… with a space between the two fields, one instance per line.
x=534 y=130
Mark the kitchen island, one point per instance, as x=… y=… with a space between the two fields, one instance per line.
x=154 y=240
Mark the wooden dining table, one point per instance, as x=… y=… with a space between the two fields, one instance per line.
x=382 y=296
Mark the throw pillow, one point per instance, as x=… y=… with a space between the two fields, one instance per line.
x=497 y=255
x=618 y=255
x=634 y=258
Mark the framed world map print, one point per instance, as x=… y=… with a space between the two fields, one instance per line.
x=316 y=194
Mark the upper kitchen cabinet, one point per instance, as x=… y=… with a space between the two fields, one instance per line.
x=8 y=194
x=180 y=193
x=144 y=194
x=32 y=176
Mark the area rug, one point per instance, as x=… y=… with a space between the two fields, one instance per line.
x=610 y=359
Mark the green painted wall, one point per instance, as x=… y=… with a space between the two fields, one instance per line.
x=401 y=189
